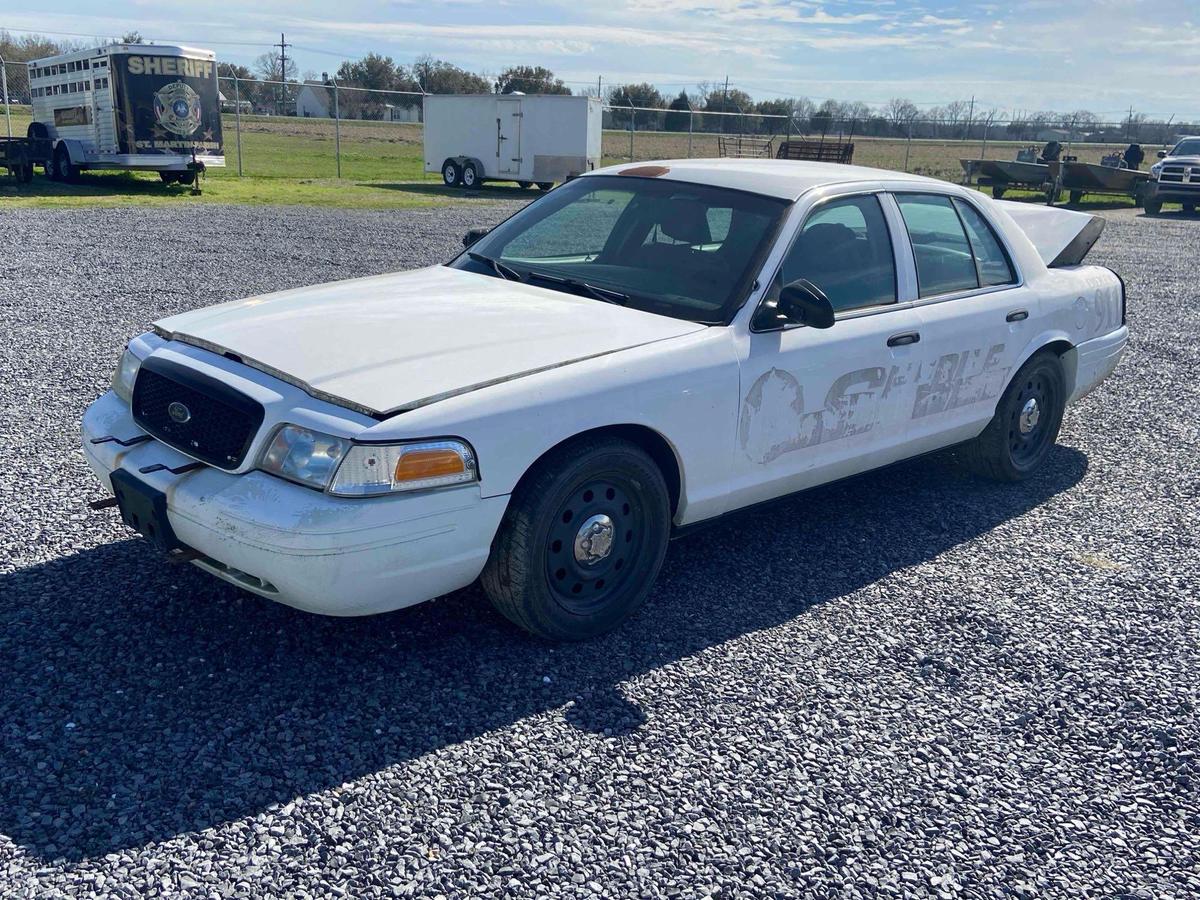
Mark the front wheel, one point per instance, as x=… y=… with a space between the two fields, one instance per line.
x=1023 y=431
x=582 y=542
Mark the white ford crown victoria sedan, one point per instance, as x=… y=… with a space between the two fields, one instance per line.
x=644 y=348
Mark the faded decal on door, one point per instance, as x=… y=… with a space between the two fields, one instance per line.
x=960 y=379
x=774 y=422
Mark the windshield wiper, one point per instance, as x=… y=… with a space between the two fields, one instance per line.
x=598 y=293
x=498 y=267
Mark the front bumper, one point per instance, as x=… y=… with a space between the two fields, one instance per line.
x=322 y=554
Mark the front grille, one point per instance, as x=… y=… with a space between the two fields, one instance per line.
x=1180 y=176
x=194 y=413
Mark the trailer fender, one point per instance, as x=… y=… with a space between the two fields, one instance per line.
x=76 y=152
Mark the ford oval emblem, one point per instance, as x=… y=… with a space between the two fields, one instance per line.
x=179 y=413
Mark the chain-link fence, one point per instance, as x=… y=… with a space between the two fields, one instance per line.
x=327 y=129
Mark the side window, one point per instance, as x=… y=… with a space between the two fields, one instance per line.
x=845 y=249
x=940 y=246
x=993 y=263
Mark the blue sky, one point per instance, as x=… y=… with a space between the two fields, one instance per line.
x=1100 y=55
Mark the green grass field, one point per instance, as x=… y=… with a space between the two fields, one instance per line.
x=293 y=161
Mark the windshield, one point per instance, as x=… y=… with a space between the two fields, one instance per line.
x=1187 y=148
x=682 y=250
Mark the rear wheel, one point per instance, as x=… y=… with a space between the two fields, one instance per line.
x=451 y=174
x=470 y=176
x=64 y=169
x=1023 y=430
x=582 y=541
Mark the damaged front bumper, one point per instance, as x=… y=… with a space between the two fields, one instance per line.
x=295 y=545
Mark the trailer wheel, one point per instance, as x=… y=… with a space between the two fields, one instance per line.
x=524 y=185
x=64 y=169
x=470 y=176
x=545 y=185
x=1076 y=196
x=451 y=174
x=997 y=191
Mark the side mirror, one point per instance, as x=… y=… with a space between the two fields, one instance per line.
x=474 y=235
x=1162 y=154
x=806 y=304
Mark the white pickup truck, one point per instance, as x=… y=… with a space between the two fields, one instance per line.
x=643 y=348
x=1175 y=178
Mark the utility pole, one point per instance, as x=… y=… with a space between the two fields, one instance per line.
x=282 y=45
x=600 y=86
x=724 y=101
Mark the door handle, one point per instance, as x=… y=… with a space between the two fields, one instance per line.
x=904 y=339
x=1017 y=315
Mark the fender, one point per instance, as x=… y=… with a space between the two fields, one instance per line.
x=76 y=151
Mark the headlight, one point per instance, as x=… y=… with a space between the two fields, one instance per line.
x=126 y=374
x=302 y=455
x=1155 y=170
x=371 y=469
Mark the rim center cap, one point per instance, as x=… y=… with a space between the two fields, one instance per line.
x=1030 y=413
x=594 y=541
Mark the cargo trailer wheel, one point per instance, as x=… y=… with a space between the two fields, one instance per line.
x=64 y=169
x=524 y=185
x=1025 y=426
x=545 y=185
x=470 y=176
x=582 y=541
x=451 y=174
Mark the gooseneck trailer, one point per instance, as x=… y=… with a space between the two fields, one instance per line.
x=149 y=107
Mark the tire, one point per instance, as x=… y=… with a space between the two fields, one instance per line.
x=471 y=179
x=1153 y=207
x=1012 y=447
x=545 y=185
x=37 y=131
x=539 y=574
x=188 y=178
x=1076 y=196
x=997 y=191
x=64 y=169
x=524 y=185
x=169 y=177
x=451 y=173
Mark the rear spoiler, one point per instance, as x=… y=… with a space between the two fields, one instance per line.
x=1062 y=237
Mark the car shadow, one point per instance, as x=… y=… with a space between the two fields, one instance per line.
x=502 y=191
x=142 y=700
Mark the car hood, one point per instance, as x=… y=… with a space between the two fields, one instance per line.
x=1181 y=160
x=391 y=343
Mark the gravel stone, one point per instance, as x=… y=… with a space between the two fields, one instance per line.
x=911 y=684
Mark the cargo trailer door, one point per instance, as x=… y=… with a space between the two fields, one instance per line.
x=508 y=136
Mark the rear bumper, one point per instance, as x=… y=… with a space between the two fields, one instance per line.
x=1096 y=359
x=322 y=554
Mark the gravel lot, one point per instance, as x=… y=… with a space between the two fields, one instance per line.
x=911 y=684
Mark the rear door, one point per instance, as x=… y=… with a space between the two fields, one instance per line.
x=508 y=136
x=975 y=316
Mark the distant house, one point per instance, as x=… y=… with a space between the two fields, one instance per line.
x=402 y=113
x=313 y=101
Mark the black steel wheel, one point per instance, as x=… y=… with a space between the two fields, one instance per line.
x=1025 y=425
x=451 y=173
x=582 y=541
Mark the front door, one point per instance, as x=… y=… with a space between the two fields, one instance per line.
x=508 y=137
x=820 y=404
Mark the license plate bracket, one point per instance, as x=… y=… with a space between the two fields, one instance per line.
x=144 y=509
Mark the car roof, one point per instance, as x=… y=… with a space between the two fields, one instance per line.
x=782 y=178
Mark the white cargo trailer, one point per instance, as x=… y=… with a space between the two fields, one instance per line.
x=128 y=106
x=527 y=138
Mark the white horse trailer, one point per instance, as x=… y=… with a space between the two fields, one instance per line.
x=128 y=106
x=527 y=138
